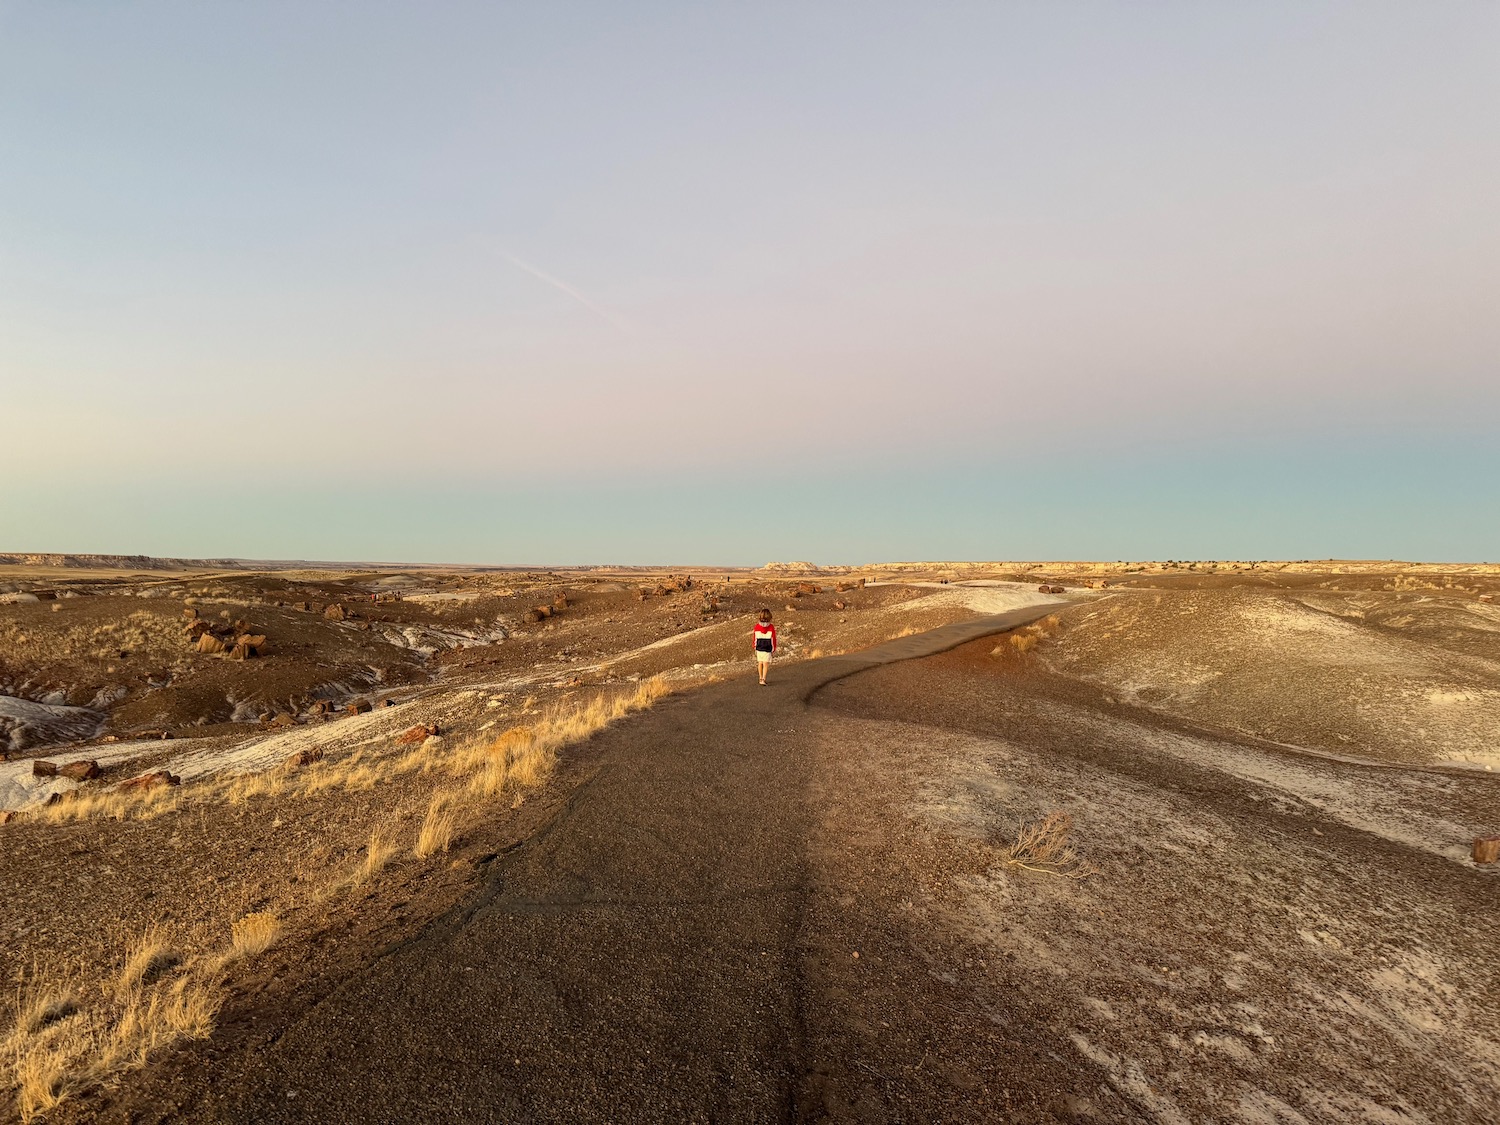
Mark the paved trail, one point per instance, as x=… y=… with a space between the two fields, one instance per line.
x=640 y=959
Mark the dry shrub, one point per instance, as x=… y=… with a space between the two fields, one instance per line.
x=1042 y=846
x=253 y=934
x=1024 y=641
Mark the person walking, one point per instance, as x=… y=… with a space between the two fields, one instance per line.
x=763 y=637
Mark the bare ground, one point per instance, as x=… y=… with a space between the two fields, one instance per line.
x=1283 y=925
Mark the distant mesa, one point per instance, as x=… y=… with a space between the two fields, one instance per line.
x=119 y=562
x=790 y=568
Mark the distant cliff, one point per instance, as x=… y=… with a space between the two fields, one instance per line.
x=119 y=562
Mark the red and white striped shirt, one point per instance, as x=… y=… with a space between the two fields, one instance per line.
x=764 y=629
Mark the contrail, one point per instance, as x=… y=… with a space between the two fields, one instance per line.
x=618 y=321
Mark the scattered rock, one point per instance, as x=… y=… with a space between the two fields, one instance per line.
x=808 y=588
x=335 y=612
x=284 y=719
x=80 y=771
x=1044 y=589
x=153 y=780
x=840 y=604
x=419 y=734
x=190 y=613
x=303 y=758
x=1486 y=849
x=359 y=707
x=40 y=768
x=7 y=815
x=209 y=643
x=388 y=702
x=241 y=652
x=560 y=602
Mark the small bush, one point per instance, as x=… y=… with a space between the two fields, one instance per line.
x=255 y=933
x=1042 y=846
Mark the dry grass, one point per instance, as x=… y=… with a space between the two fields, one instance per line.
x=439 y=826
x=378 y=853
x=1042 y=846
x=147 y=959
x=1026 y=639
x=110 y=804
x=524 y=756
x=67 y=1036
x=253 y=934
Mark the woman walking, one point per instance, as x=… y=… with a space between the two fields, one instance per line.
x=764 y=638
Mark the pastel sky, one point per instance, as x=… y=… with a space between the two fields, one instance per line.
x=724 y=283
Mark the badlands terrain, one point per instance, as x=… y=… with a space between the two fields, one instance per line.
x=1166 y=842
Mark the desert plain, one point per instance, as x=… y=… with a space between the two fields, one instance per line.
x=1075 y=842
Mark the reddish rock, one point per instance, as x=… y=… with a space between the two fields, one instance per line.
x=418 y=734
x=1044 y=589
x=808 y=588
x=153 y=780
x=7 y=815
x=40 y=768
x=359 y=707
x=335 y=612
x=208 y=643
x=80 y=771
x=190 y=613
x=560 y=602
x=388 y=703
x=284 y=719
x=304 y=758
x=840 y=604
x=1486 y=849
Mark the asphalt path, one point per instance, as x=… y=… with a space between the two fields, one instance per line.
x=641 y=958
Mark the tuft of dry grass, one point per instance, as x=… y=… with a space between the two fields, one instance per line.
x=253 y=934
x=110 y=804
x=147 y=959
x=439 y=826
x=71 y=1035
x=1026 y=639
x=378 y=853
x=1042 y=846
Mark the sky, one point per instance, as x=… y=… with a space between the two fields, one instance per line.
x=727 y=283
